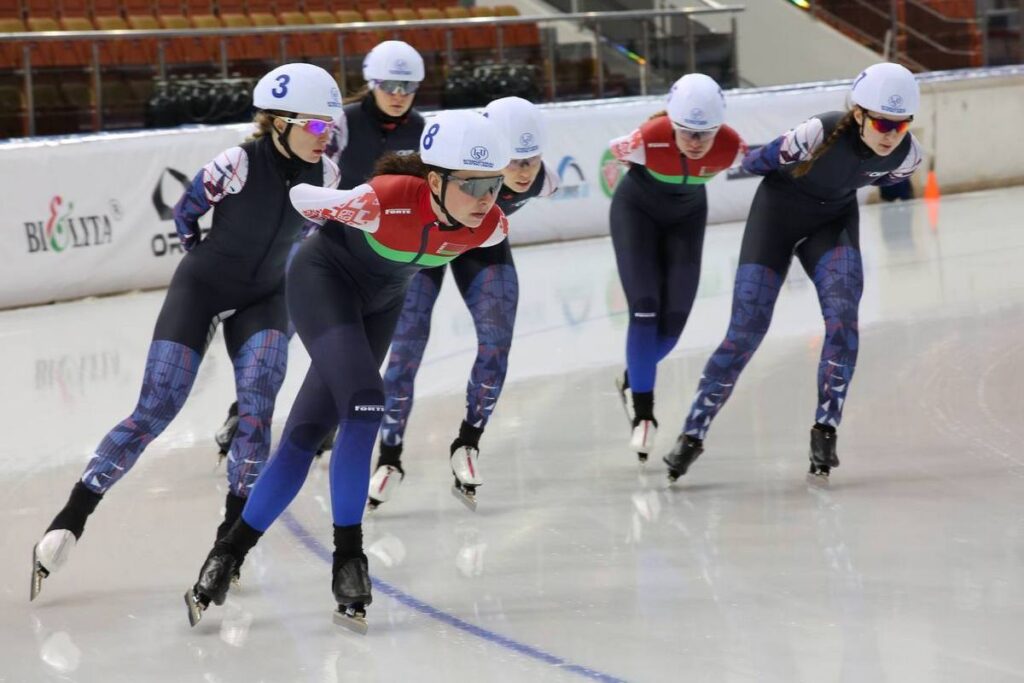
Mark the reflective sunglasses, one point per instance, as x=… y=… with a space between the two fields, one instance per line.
x=398 y=87
x=695 y=135
x=311 y=126
x=884 y=126
x=477 y=188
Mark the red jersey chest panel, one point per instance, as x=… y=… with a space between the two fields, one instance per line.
x=409 y=231
x=664 y=161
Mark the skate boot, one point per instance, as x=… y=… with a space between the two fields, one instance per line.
x=48 y=556
x=622 y=386
x=683 y=454
x=328 y=443
x=352 y=592
x=388 y=476
x=212 y=586
x=226 y=434
x=52 y=552
x=823 y=452
x=645 y=427
x=464 y=456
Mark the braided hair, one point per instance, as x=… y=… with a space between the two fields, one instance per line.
x=804 y=166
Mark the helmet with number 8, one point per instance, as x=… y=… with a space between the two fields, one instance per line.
x=299 y=88
x=464 y=141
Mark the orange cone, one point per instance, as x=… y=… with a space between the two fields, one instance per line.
x=931 y=186
x=932 y=195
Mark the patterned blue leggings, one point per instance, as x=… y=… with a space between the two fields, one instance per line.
x=490 y=287
x=839 y=280
x=258 y=346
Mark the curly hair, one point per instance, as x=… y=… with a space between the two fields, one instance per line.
x=804 y=166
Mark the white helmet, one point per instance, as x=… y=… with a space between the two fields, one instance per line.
x=696 y=102
x=464 y=141
x=300 y=88
x=523 y=122
x=886 y=88
x=393 y=60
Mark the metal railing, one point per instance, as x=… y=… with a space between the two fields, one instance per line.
x=589 y=20
x=889 y=44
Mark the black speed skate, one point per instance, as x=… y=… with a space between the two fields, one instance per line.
x=352 y=591
x=226 y=434
x=683 y=454
x=823 y=452
x=212 y=586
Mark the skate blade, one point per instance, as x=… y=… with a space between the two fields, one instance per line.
x=620 y=388
x=819 y=479
x=372 y=505
x=353 y=622
x=464 y=497
x=38 y=574
x=195 y=608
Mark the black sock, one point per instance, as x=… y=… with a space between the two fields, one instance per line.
x=643 y=406
x=390 y=455
x=233 y=506
x=238 y=541
x=80 y=505
x=348 y=542
x=468 y=436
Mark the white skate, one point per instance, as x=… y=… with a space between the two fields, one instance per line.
x=48 y=556
x=467 y=475
x=383 y=485
x=643 y=438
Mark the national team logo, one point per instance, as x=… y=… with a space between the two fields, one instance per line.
x=526 y=139
x=611 y=173
x=479 y=153
x=335 y=99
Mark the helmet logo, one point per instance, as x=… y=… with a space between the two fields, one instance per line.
x=527 y=144
x=479 y=153
x=400 y=67
x=894 y=105
x=697 y=117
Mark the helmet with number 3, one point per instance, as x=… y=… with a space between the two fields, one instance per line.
x=299 y=88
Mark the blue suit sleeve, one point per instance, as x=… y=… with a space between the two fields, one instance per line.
x=187 y=212
x=765 y=159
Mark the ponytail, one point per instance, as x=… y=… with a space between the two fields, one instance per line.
x=804 y=166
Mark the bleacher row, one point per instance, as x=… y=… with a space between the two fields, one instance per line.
x=17 y=16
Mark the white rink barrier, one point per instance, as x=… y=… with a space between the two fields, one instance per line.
x=90 y=215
